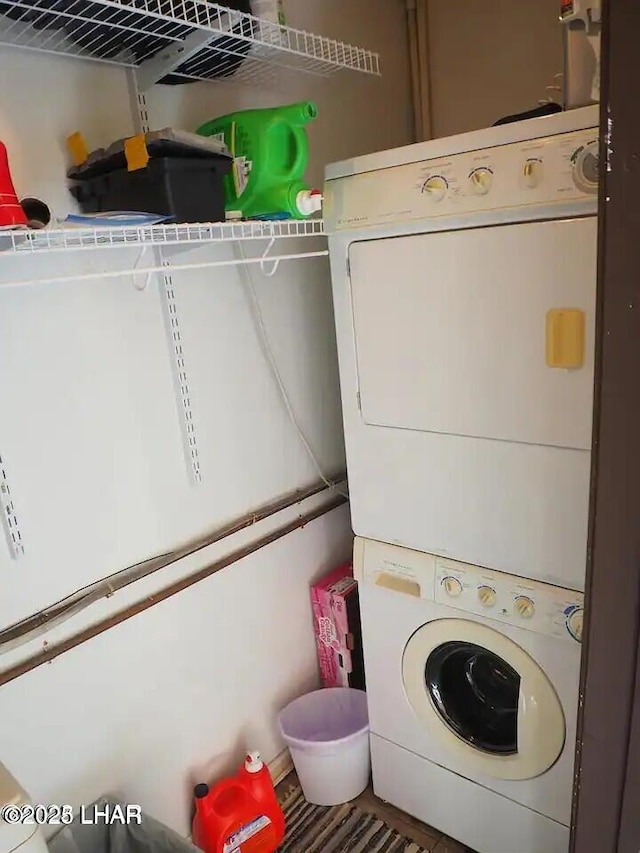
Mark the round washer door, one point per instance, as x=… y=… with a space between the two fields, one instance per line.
x=484 y=698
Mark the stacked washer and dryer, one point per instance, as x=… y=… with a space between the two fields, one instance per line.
x=464 y=284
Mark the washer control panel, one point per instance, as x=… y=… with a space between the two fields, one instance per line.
x=518 y=601
x=548 y=170
x=524 y=603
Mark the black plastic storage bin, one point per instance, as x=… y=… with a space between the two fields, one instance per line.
x=187 y=189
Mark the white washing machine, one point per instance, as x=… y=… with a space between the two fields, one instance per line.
x=472 y=684
x=464 y=280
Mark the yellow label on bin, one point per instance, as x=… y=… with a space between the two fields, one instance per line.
x=135 y=150
x=78 y=148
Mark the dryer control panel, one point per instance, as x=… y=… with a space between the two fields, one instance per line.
x=524 y=603
x=540 y=172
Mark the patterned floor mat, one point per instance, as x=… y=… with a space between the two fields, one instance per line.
x=338 y=829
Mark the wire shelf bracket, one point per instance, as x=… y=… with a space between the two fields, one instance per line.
x=171 y=58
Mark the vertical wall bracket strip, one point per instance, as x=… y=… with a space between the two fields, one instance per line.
x=179 y=370
x=9 y=518
x=139 y=109
x=140 y=116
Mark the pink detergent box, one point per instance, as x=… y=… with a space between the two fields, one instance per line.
x=336 y=619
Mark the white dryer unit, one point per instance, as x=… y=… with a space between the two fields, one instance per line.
x=464 y=279
x=472 y=684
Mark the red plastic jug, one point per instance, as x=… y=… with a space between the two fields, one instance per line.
x=240 y=814
x=11 y=213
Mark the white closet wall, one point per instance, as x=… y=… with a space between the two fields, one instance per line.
x=90 y=438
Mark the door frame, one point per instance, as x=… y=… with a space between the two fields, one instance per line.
x=607 y=790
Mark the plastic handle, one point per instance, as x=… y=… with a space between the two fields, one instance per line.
x=295 y=117
x=227 y=822
x=297 y=168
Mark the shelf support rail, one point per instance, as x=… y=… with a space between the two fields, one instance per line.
x=140 y=80
x=138 y=100
x=179 y=370
x=9 y=518
x=174 y=55
x=128 y=271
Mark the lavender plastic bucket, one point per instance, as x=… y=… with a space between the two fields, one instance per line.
x=327 y=733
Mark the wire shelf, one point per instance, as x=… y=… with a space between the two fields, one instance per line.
x=65 y=239
x=199 y=40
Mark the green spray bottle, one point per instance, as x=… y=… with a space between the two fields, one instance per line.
x=270 y=151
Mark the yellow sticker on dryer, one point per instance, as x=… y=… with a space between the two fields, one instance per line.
x=565 y=338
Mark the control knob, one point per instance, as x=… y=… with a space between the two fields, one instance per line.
x=525 y=607
x=586 y=168
x=481 y=180
x=452 y=586
x=435 y=187
x=574 y=623
x=532 y=173
x=487 y=596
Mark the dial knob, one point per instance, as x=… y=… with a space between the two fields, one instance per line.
x=481 y=180
x=435 y=187
x=532 y=173
x=452 y=586
x=586 y=168
x=487 y=596
x=525 y=607
x=574 y=623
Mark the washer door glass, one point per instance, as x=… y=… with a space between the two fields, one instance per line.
x=483 y=699
x=476 y=693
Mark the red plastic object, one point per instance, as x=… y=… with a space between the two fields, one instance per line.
x=11 y=213
x=240 y=814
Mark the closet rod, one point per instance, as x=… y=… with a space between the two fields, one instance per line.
x=52 y=652
x=44 y=620
x=148 y=271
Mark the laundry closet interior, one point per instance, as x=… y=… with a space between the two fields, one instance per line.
x=363 y=331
